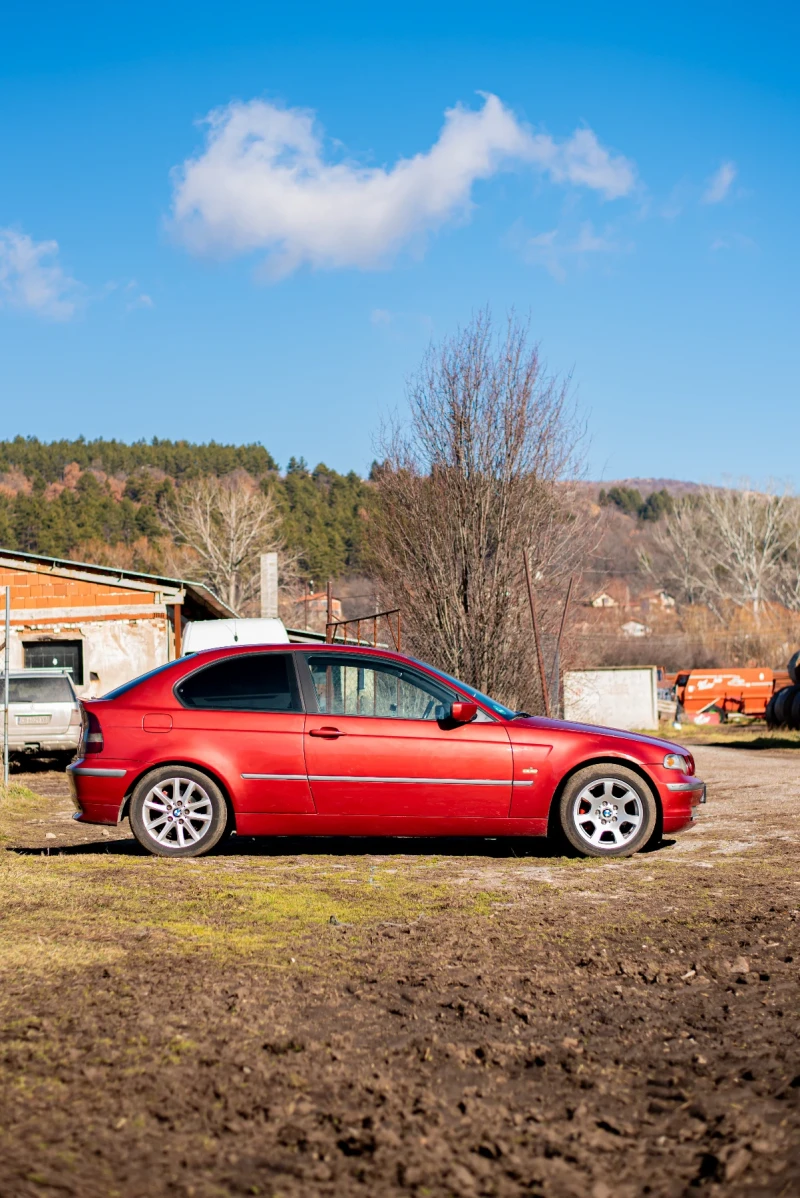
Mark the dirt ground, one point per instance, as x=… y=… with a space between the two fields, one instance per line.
x=404 y=1017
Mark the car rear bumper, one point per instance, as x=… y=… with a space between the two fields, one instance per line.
x=48 y=742
x=98 y=791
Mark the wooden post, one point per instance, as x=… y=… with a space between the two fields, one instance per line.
x=329 y=616
x=536 y=636
x=177 y=629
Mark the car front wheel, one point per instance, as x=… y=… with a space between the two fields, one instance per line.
x=176 y=811
x=607 y=811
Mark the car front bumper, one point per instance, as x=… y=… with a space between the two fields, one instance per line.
x=680 y=800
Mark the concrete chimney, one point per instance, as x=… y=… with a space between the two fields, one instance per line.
x=269 y=585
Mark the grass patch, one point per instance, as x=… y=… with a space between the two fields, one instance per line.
x=61 y=911
x=17 y=802
x=754 y=735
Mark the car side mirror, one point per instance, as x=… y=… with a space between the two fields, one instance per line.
x=462 y=712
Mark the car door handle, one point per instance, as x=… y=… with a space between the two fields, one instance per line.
x=326 y=733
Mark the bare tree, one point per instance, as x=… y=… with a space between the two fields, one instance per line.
x=225 y=524
x=472 y=479
x=731 y=545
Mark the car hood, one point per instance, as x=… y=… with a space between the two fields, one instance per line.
x=527 y=727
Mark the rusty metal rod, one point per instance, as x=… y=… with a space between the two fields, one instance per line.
x=555 y=677
x=536 y=637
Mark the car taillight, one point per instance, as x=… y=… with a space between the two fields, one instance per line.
x=92 y=734
x=75 y=717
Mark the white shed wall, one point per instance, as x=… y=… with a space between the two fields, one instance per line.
x=617 y=698
x=115 y=650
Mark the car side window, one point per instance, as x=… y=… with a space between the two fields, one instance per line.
x=357 y=686
x=248 y=682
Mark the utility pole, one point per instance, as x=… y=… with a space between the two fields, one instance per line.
x=5 y=689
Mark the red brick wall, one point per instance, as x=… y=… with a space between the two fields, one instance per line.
x=31 y=589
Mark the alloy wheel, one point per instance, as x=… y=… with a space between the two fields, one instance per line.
x=608 y=813
x=177 y=813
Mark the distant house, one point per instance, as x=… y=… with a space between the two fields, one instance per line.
x=635 y=628
x=657 y=600
x=603 y=600
x=104 y=624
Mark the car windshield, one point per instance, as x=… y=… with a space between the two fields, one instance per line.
x=498 y=708
x=48 y=688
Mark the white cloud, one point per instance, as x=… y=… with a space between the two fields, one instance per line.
x=262 y=182
x=548 y=250
x=141 y=301
x=719 y=184
x=380 y=316
x=29 y=281
x=732 y=241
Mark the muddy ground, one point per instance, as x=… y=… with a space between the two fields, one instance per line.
x=405 y=1017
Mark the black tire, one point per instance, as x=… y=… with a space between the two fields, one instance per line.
x=769 y=714
x=793 y=712
x=792 y=667
x=783 y=702
x=183 y=831
x=624 y=793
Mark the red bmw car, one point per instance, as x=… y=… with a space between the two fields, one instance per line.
x=336 y=739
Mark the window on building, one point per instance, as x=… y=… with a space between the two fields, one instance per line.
x=47 y=655
x=252 y=682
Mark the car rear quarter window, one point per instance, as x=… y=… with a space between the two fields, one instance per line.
x=50 y=689
x=251 y=682
x=119 y=691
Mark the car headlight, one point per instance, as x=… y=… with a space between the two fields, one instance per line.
x=674 y=761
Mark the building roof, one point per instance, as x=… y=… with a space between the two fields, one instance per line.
x=200 y=602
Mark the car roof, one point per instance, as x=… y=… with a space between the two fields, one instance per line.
x=320 y=647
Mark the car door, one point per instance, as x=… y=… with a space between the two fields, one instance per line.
x=244 y=714
x=378 y=745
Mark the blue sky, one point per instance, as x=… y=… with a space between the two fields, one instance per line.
x=275 y=275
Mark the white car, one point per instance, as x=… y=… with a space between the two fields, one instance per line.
x=44 y=716
x=220 y=634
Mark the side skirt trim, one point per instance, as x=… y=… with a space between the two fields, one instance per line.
x=383 y=778
x=410 y=781
x=275 y=777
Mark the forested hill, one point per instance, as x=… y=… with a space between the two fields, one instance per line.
x=103 y=500
x=178 y=459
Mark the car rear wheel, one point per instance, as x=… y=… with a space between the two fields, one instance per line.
x=177 y=811
x=607 y=811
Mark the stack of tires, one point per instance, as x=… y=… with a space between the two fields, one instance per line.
x=783 y=709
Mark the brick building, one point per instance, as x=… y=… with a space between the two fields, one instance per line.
x=104 y=624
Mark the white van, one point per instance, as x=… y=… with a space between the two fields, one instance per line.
x=220 y=634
